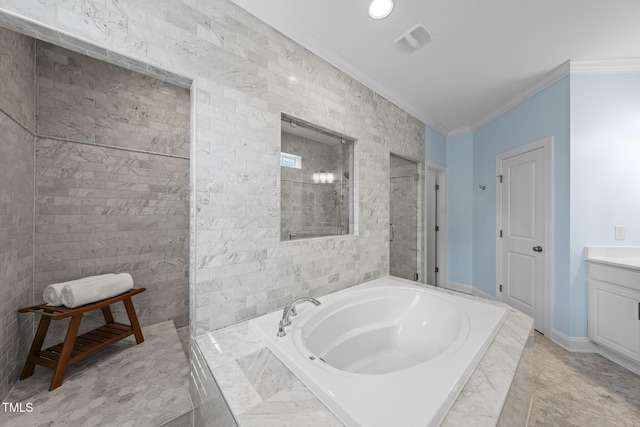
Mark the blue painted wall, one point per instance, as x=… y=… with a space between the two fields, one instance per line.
x=605 y=174
x=595 y=123
x=544 y=114
x=435 y=146
x=459 y=157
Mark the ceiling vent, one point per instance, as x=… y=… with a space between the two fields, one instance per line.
x=417 y=36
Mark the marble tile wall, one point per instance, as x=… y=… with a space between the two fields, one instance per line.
x=403 y=254
x=241 y=69
x=88 y=100
x=17 y=142
x=308 y=208
x=112 y=182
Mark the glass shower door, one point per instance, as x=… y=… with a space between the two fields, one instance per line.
x=403 y=227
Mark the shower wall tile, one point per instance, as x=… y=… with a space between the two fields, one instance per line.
x=104 y=210
x=242 y=69
x=18 y=78
x=83 y=99
x=17 y=121
x=102 y=206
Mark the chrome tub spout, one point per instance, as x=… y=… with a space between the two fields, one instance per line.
x=290 y=310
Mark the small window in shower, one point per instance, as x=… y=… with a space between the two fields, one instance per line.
x=290 y=161
x=316 y=198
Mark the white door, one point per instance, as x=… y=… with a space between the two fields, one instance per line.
x=524 y=257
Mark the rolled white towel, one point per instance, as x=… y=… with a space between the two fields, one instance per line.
x=74 y=295
x=52 y=293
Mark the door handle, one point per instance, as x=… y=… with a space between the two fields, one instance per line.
x=393 y=232
x=537 y=248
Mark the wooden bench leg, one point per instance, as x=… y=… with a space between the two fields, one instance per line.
x=36 y=346
x=133 y=319
x=65 y=354
x=108 y=316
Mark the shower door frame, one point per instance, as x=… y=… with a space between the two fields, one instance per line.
x=421 y=218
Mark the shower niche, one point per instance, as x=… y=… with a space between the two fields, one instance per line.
x=316 y=181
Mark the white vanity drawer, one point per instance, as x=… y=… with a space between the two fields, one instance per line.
x=616 y=275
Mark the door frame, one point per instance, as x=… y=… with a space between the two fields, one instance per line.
x=547 y=145
x=441 y=171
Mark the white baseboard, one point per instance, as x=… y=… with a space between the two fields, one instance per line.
x=467 y=289
x=572 y=344
x=584 y=345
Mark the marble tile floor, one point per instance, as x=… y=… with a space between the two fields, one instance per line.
x=578 y=389
x=123 y=385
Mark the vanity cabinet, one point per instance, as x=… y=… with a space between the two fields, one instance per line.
x=614 y=308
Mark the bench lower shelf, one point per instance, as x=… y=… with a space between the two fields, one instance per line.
x=85 y=344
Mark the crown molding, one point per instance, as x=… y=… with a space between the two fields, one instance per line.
x=605 y=66
x=435 y=125
x=546 y=81
x=459 y=131
x=589 y=66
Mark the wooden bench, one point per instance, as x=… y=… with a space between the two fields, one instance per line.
x=74 y=347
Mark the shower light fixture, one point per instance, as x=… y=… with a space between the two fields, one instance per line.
x=322 y=177
x=379 y=9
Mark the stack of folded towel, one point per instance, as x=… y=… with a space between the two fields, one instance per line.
x=87 y=290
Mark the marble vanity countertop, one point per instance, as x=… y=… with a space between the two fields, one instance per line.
x=262 y=392
x=617 y=256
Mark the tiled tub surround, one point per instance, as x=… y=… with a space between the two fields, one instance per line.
x=308 y=208
x=17 y=145
x=112 y=173
x=261 y=391
x=210 y=408
x=386 y=352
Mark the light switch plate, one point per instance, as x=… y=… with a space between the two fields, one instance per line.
x=620 y=232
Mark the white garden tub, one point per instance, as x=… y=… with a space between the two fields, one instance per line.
x=384 y=353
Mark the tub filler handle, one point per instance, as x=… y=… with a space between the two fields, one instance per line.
x=290 y=310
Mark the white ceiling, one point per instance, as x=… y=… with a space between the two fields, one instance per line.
x=482 y=56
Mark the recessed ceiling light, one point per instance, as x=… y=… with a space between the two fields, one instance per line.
x=380 y=8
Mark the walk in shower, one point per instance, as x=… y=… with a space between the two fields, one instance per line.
x=316 y=184
x=404 y=217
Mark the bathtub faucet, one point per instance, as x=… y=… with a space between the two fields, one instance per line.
x=290 y=310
